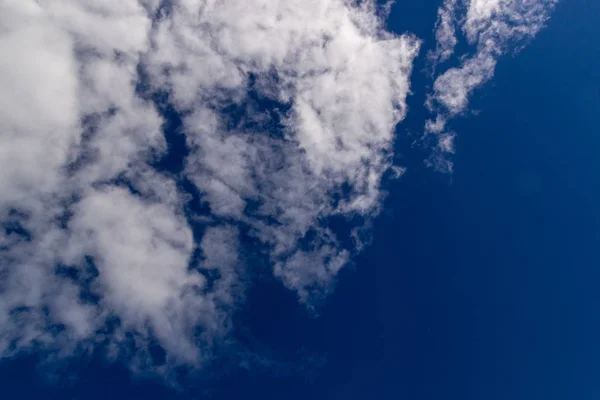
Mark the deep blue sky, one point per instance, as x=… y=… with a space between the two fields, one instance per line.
x=479 y=285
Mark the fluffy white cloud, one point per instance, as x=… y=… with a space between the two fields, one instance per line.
x=39 y=107
x=141 y=251
x=76 y=251
x=344 y=79
x=97 y=245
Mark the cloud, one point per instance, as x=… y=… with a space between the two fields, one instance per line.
x=445 y=33
x=340 y=81
x=95 y=244
x=453 y=88
x=141 y=251
x=439 y=158
x=288 y=110
x=492 y=27
x=285 y=112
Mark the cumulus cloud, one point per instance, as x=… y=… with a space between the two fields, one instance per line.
x=288 y=110
x=342 y=81
x=92 y=237
x=492 y=27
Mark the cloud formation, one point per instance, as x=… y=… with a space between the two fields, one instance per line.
x=116 y=237
x=445 y=33
x=343 y=81
x=288 y=111
x=492 y=28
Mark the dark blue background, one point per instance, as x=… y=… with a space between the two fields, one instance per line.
x=479 y=285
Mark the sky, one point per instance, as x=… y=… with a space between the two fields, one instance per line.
x=297 y=198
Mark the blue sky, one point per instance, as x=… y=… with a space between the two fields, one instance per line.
x=475 y=276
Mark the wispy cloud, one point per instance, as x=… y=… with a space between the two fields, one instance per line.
x=445 y=33
x=492 y=28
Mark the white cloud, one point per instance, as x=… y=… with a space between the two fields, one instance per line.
x=93 y=234
x=80 y=250
x=453 y=88
x=439 y=159
x=72 y=123
x=493 y=27
x=345 y=80
x=141 y=252
x=445 y=33
x=39 y=108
